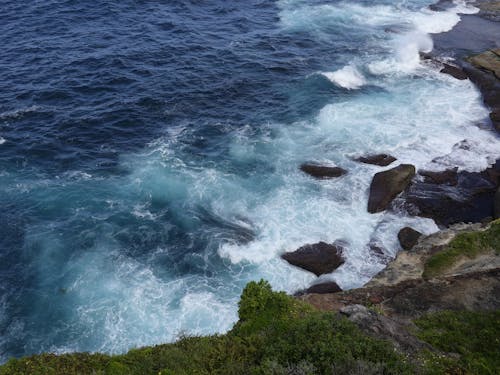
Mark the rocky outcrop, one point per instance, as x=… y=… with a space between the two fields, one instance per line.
x=448 y=176
x=383 y=327
x=408 y=237
x=489 y=61
x=454 y=71
x=319 y=258
x=484 y=71
x=387 y=185
x=377 y=159
x=321 y=171
x=401 y=291
x=328 y=287
x=452 y=197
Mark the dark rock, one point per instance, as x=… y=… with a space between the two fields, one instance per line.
x=448 y=176
x=320 y=171
x=378 y=159
x=495 y=118
x=470 y=200
x=454 y=71
x=496 y=205
x=441 y=5
x=408 y=237
x=319 y=258
x=387 y=185
x=329 y=287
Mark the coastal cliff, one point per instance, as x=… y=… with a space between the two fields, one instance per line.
x=434 y=309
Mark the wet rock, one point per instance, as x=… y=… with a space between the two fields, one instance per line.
x=322 y=172
x=470 y=200
x=454 y=71
x=319 y=258
x=328 y=287
x=495 y=118
x=387 y=185
x=448 y=176
x=377 y=159
x=408 y=237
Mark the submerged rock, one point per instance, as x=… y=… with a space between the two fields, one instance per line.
x=387 y=185
x=377 y=159
x=454 y=71
x=318 y=258
x=322 y=172
x=408 y=237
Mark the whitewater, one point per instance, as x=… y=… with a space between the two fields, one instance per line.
x=136 y=205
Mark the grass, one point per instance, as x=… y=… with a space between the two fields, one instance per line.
x=464 y=245
x=473 y=338
x=276 y=334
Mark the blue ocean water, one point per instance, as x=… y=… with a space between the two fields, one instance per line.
x=149 y=154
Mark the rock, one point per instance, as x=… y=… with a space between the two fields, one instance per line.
x=328 y=287
x=496 y=205
x=495 y=118
x=387 y=185
x=382 y=327
x=448 y=176
x=408 y=237
x=489 y=60
x=319 y=258
x=454 y=71
x=470 y=200
x=322 y=172
x=378 y=159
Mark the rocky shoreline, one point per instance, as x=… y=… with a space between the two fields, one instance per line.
x=409 y=287
x=450 y=196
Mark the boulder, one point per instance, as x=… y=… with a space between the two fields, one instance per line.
x=471 y=200
x=387 y=185
x=454 y=71
x=448 y=176
x=318 y=258
x=408 y=237
x=377 y=159
x=322 y=172
x=323 y=288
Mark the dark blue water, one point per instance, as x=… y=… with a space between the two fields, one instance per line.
x=149 y=153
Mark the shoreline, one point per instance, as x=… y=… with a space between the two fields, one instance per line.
x=430 y=193
x=369 y=295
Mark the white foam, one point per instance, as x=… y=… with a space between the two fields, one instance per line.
x=348 y=77
x=15 y=114
x=2 y=140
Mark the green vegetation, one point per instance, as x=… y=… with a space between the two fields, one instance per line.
x=276 y=334
x=470 y=339
x=464 y=245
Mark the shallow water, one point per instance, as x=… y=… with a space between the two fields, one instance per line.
x=149 y=155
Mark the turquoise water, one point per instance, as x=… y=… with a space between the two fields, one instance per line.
x=149 y=155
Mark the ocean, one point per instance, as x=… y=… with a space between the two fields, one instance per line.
x=150 y=153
